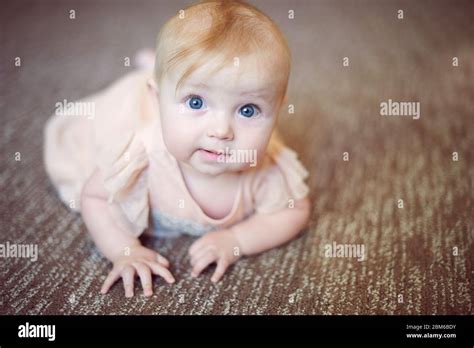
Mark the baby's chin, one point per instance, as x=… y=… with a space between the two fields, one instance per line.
x=214 y=168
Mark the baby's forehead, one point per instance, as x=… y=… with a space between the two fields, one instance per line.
x=240 y=79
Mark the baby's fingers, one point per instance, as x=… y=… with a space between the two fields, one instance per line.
x=110 y=280
x=200 y=254
x=220 y=270
x=160 y=270
x=162 y=260
x=203 y=262
x=196 y=246
x=128 y=273
x=145 y=278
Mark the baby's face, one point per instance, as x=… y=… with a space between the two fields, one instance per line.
x=221 y=122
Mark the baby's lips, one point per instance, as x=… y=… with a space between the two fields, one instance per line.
x=210 y=149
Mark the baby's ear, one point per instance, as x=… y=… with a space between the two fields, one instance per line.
x=153 y=86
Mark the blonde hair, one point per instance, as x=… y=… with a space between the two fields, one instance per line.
x=224 y=29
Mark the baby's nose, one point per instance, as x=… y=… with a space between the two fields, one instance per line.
x=220 y=127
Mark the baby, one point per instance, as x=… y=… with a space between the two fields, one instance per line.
x=188 y=148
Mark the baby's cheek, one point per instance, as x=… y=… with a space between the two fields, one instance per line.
x=178 y=138
x=255 y=140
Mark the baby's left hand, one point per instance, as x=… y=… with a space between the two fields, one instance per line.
x=221 y=247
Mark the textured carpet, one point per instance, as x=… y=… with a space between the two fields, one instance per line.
x=418 y=258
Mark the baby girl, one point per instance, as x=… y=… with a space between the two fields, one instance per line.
x=189 y=148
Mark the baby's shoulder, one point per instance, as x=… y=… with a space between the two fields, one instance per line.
x=279 y=167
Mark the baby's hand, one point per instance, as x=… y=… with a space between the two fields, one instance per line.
x=220 y=246
x=144 y=262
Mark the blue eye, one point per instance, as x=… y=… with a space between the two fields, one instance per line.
x=247 y=110
x=195 y=102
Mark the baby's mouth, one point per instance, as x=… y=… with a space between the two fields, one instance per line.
x=211 y=155
x=216 y=152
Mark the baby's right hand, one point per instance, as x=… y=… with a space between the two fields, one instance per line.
x=143 y=261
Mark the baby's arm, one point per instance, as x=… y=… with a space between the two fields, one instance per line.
x=262 y=232
x=119 y=246
x=258 y=233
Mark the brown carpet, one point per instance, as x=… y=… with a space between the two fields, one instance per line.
x=410 y=266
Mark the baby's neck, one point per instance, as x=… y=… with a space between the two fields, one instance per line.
x=191 y=174
x=215 y=194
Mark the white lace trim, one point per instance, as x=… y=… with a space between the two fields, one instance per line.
x=164 y=225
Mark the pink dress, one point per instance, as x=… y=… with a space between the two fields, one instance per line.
x=146 y=189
